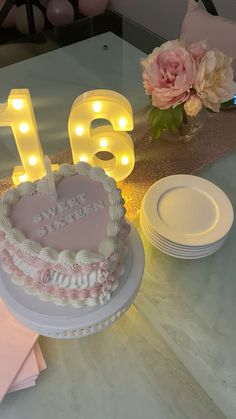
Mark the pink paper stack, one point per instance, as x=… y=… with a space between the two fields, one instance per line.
x=21 y=359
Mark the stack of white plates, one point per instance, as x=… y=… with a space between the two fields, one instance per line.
x=186 y=216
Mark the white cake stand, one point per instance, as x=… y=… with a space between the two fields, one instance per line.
x=66 y=322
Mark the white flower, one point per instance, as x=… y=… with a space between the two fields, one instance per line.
x=193 y=105
x=214 y=81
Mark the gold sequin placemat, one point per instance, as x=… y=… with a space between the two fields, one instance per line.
x=158 y=158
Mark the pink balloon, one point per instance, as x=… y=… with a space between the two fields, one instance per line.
x=60 y=12
x=22 y=20
x=92 y=7
x=9 y=22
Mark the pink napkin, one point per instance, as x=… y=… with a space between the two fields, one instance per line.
x=23 y=385
x=20 y=363
x=30 y=370
x=39 y=357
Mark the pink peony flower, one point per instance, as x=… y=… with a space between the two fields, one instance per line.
x=168 y=75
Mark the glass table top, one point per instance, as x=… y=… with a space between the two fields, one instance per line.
x=192 y=304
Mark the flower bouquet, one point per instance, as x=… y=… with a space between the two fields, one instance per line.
x=181 y=80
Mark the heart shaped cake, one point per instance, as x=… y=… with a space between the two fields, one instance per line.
x=69 y=249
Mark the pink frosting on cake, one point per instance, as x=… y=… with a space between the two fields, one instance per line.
x=86 y=232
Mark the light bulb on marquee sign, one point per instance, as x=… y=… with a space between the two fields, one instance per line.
x=18 y=113
x=86 y=142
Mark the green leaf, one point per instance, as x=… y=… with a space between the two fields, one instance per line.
x=177 y=116
x=165 y=119
x=154 y=114
x=158 y=129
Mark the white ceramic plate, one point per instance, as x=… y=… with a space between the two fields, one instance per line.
x=176 y=247
x=188 y=210
x=178 y=253
x=174 y=244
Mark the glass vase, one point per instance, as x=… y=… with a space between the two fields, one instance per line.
x=188 y=130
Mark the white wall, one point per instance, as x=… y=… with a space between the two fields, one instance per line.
x=165 y=16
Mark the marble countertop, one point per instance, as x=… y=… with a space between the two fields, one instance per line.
x=126 y=371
